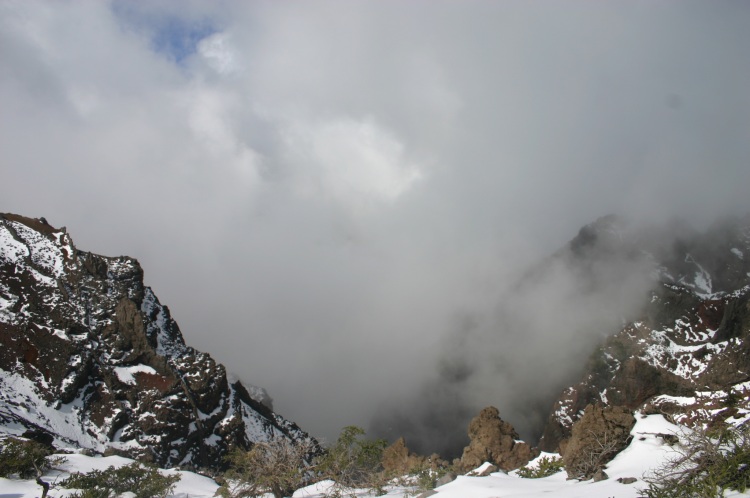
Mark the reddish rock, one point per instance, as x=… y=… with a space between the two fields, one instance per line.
x=496 y=441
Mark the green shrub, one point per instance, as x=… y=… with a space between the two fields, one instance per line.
x=25 y=459
x=282 y=466
x=425 y=478
x=706 y=465
x=545 y=468
x=354 y=462
x=91 y=493
x=145 y=482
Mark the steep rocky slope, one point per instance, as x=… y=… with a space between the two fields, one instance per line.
x=687 y=353
x=90 y=356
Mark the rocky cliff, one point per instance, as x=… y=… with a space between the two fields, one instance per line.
x=90 y=356
x=687 y=353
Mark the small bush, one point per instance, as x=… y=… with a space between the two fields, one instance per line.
x=91 y=493
x=732 y=398
x=426 y=478
x=545 y=468
x=354 y=462
x=706 y=465
x=145 y=482
x=25 y=459
x=279 y=467
x=282 y=466
x=423 y=477
x=593 y=452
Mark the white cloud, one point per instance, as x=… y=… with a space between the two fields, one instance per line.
x=354 y=162
x=218 y=51
x=394 y=157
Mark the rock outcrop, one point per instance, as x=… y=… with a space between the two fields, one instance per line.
x=90 y=356
x=495 y=441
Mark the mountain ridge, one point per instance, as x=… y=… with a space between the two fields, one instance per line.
x=90 y=356
x=686 y=350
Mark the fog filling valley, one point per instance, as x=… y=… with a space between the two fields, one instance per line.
x=355 y=205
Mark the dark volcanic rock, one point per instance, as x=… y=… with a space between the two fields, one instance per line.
x=89 y=355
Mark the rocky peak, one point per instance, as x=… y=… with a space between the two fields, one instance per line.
x=714 y=260
x=89 y=355
x=606 y=233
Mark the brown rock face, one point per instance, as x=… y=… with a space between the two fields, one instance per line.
x=496 y=441
x=600 y=434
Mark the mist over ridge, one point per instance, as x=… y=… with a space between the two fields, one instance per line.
x=538 y=337
x=360 y=187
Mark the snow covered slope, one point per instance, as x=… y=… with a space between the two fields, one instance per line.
x=645 y=453
x=89 y=355
x=189 y=485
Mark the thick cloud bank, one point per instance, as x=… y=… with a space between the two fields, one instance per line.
x=333 y=197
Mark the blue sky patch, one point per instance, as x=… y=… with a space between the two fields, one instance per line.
x=170 y=35
x=179 y=38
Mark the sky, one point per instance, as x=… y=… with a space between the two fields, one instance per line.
x=332 y=197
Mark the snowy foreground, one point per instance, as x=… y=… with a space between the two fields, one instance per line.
x=644 y=453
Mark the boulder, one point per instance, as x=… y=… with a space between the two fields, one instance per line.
x=487 y=470
x=600 y=475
